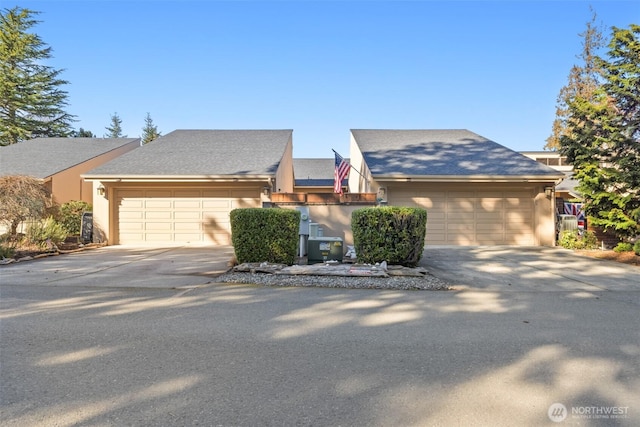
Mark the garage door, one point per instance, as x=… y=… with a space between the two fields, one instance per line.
x=483 y=217
x=146 y=216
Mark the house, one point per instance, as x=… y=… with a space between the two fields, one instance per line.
x=60 y=162
x=475 y=190
x=566 y=190
x=181 y=187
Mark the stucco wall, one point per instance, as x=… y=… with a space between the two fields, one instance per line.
x=68 y=185
x=284 y=175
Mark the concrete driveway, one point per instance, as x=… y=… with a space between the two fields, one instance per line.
x=504 y=268
x=124 y=266
x=493 y=268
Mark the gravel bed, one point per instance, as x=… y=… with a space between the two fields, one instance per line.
x=426 y=282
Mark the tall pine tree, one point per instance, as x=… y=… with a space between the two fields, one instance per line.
x=115 y=130
x=584 y=79
x=149 y=131
x=603 y=138
x=32 y=101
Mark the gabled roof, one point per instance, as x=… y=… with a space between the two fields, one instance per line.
x=443 y=153
x=44 y=157
x=202 y=153
x=314 y=172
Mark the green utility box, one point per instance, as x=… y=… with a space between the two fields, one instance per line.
x=321 y=249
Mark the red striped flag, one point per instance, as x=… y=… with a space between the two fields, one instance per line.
x=341 y=171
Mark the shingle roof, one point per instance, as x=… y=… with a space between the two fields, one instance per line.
x=44 y=157
x=202 y=153
x=314 y=172
x=397 y=153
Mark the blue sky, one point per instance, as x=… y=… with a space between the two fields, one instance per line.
x=321 y=67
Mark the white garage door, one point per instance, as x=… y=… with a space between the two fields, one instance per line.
x=483 y=217
x=157 y=216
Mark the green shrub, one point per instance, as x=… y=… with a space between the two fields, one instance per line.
x=40 y=232
x=71 y=215
x=636 y=248
x=270 y=235
x=6 y=251
x=389 y=233
x=623 y=247
x=572 y=239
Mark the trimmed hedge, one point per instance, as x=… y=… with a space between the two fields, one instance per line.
x=389 y=233
x=260 y=234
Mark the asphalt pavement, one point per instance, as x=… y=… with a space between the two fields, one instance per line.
x=133 y=336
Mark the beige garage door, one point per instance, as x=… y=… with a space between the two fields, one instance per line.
x=481 y=217
x=157 y=216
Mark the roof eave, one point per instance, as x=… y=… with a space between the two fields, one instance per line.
x=467 y=178
x=179 y=178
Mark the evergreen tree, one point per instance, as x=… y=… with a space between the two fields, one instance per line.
x=32 y=102
x=603 y=138
x=149 y=131
x=81 y=133
x=583 y=81
x=115 y=130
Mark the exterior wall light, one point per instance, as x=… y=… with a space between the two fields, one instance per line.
x=548 y=191
x=101 y=190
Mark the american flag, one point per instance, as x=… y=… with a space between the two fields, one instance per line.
x=341 y=171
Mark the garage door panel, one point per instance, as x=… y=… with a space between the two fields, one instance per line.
x=216 y=204
x=131 y=215
x=157 y=215
x=131 y=226
x=485 y=216
x=158 y=226
x=157 y=204
x=484 y=227
x=187 y=237
x=126 y=204
x=187 y=226
x=178 y=215
x=461 y=217
x=182 y=215
x=186 y=204
x=489 y=216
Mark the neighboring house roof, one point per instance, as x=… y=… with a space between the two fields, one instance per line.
x=443 y=153
x=569 y=185
x=314 y=172
x=44 y=157
x=202 y=153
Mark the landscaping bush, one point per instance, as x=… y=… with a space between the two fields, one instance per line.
x=40 y=232
x=270 y=235
x=572 y=239
x=6 y=251
x=389 y=233
x=636 y=248
x=623 y=247
x=71 y=215
x=7 y=246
